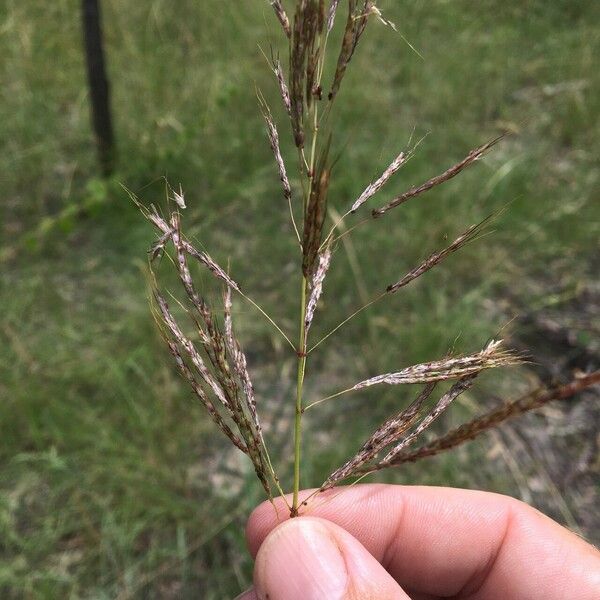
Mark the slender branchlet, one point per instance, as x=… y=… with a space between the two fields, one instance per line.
x=437 y=257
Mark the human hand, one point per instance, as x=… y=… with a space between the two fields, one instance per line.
x=398 y=542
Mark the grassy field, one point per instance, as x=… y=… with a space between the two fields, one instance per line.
x=113 y=484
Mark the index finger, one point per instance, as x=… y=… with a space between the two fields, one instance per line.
x=451 y=542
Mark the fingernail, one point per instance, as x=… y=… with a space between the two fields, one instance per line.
x=247 y=595
x=300 y=559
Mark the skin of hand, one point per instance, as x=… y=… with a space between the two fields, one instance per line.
x=399 y=542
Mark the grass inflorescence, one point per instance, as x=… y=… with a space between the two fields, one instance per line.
x=221 y=380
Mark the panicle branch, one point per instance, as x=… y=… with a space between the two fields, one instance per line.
x=450 y=368
x=495 y=417
x=227 y=378
x=453 y=171
x=437 y=257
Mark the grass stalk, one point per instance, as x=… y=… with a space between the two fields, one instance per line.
x=299 y=409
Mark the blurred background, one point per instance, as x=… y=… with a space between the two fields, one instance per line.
x=113 y=483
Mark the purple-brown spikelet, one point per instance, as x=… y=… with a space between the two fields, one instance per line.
x=376 y=185
x=239 y=361
x=171 y=232
x=440 y=370
x=303 y=37
x=356 y=23
x=225 y=375
x=443 y=403
x=274 y=143
x=383 y=436
x=437 y=257
x=453 y=171
x=316 y=285
x=283 y=88
x=315 y=215
x=199 y=391
x=282 y=17
x=495 y=417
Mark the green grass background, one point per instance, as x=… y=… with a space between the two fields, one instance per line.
x=113 y=484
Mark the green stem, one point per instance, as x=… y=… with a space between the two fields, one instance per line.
x=302 y=343
x=299 y=409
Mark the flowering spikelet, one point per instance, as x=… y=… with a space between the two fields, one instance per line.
x=283 y=88
x=384 y=435
x=355 y=27
x=306 y=23
x=316 y=285
x=453 y=171
x=191 y=350
x=438 y=256
x=443 y=403
x=183 y=246
x=376 y=185
x=315 y=214
x=451 y=368
x=495 y=417
x=200 y=394
x=331 y=14
x=240 y=363
x=224 y=372
x=282 y=17
x=274 y=142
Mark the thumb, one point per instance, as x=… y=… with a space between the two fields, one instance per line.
x=313 y=559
